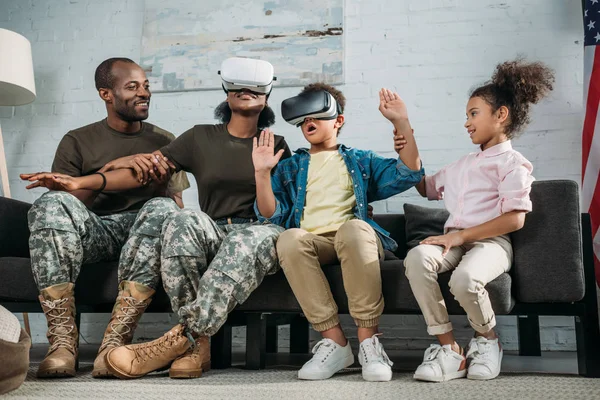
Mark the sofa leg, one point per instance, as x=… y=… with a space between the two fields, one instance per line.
x=588 y=345
x=256 y=341
x=220 y=348
x=299 y=335
x=529 y=335
x=272 y=338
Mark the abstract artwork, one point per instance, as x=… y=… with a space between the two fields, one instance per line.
x=184 y=41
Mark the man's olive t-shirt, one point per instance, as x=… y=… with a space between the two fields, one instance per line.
x=223 y=168
x=85 y=150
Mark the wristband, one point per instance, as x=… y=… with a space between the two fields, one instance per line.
x=103 y=181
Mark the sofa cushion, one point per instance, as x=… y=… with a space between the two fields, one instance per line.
x=96 y=289
x=548 y=263
x=275 y=294
x=394 y=224
x=14 y=232
x=422 y=222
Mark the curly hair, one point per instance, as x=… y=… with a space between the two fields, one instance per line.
x=337 y=95
x=104 y=77
x=266 y=118
x=516 y=85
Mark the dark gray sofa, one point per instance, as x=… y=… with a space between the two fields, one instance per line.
x=553 y=274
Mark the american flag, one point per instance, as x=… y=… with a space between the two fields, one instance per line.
x=590 y=156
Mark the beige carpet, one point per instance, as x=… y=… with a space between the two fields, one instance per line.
x=281 y=384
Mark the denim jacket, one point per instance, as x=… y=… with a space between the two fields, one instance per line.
x=374 y=178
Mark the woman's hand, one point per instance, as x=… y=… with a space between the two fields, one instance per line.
x=263 y=150
x=52 y=181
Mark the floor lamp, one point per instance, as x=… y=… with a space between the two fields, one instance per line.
x=17 y=87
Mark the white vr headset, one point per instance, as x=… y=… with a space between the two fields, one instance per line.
x=247 y=73
x=317 y=105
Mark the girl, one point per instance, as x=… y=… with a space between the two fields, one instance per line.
x=487 y=195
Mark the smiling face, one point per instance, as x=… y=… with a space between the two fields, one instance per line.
x=130 y=92
x=484 y=126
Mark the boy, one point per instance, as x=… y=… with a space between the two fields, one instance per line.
x=320 y=195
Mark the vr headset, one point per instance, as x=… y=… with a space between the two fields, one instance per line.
x=247 y=73
x=317 y=105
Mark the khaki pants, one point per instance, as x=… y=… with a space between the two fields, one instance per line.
x=474 y=264
x=358 y=249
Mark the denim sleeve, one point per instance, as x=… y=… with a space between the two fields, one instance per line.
x=282 y=203
x=390 y=176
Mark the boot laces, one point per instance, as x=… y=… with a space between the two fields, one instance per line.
x=155 y=348
x=57 y=320
x=126 y=317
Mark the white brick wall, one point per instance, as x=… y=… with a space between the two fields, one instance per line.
x=430 y=51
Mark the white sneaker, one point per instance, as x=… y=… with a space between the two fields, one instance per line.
x=440 y=364
x=484 y=358
x=329 y=358
x=376 y=366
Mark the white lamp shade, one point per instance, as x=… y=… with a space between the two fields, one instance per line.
x=17 y=85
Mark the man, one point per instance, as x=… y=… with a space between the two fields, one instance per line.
x=211 y=260
x=86 y=226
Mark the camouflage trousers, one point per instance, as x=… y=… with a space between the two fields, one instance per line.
x=207 y=269
x=65 y=235
x=140 y=257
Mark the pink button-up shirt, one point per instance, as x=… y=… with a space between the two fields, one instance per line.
x=482 y=186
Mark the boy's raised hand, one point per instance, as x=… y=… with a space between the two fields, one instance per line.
x=392 y=106
x=263 y=149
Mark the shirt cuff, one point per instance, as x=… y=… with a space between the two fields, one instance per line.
x=430 y=189
x=515 y=204
x=275 y=217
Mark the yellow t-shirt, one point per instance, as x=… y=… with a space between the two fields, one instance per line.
x=330 y=199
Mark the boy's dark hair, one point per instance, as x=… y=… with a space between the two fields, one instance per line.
x=516 y=85
x=265 y=119
x=337 y=95
x=103 y=76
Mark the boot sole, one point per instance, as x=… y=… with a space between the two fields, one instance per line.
x=57 y=373
x=102 y=374
x=188 y=374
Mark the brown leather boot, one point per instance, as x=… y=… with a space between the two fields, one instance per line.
x=132 y=301
x=137 y=360
x=195 y=361
x=58 y=304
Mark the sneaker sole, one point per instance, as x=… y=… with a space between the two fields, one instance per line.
x=348 y=361
x=487 y=378
x=378 y=377
x=443 y=378
x=189 y=374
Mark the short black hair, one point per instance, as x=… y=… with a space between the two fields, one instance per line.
x=265 y=119
x=104 y=77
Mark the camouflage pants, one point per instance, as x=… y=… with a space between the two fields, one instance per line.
x=140 y=257
x=65 y=235
x=207 y=269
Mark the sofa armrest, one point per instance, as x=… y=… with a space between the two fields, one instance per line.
x=548 y=255
x=14 y=232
